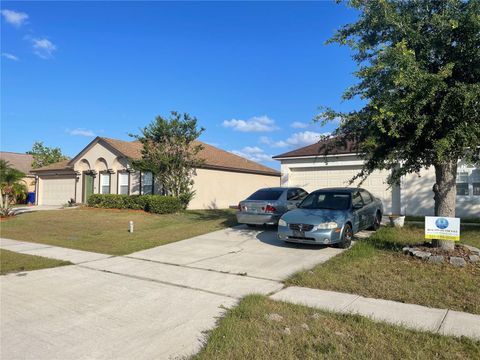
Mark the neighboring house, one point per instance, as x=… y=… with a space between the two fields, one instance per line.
x=23 y=163
x=326 y=165
x=104 y=167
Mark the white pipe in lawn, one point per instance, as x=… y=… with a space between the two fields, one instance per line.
x=130 y=226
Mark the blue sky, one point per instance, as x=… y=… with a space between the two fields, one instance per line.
x=253 y=73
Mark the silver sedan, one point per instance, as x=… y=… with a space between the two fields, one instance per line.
x=331 y=216
x=265 y=206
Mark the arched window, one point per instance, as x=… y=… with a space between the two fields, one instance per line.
x=104 y=183
x=147 y=183
x=124 y=183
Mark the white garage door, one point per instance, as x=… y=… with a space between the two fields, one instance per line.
x=56 y=190
x=321 y=177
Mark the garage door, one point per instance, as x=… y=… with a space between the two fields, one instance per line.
x=56 y=190
x=320 y=177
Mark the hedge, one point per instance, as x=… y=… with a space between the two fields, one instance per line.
x=157 y=204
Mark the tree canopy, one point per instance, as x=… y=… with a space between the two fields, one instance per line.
x=170 y=152
x=419 y=78
x=44 y=155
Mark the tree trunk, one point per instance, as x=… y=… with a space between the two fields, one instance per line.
x=445 y=193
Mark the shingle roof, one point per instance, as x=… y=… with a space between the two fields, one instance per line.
x=221 y=159
x=21 y=162
x=131 y=149
x=61 y=165
x=214 y=158
x=332 y=146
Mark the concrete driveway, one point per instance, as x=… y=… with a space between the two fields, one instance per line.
x=153 y=304
x=254 y=253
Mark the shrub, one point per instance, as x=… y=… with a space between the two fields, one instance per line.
x=163 y=204
x=152 y=203
x=94 y=200
x=186 y=197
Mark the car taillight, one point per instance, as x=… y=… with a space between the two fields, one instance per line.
x=269 y=209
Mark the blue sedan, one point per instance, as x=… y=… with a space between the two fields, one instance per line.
x=331 y=217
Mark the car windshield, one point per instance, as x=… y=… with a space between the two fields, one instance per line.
x=326 y=200
x=266 y=195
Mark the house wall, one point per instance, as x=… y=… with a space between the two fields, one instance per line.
x=417 y=194
x=216 y=189
x=101 y=158
x=336 y=171
x=29 y=182
x=414 y=196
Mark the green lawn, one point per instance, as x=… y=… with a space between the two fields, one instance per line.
x=106 y=231
x=14 y=262
x=376 y=268
x=246 y=332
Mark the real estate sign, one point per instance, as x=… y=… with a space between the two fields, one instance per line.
x=442 y=228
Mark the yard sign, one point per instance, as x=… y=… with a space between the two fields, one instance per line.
x=442 y=228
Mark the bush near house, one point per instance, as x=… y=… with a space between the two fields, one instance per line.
x=157 y=204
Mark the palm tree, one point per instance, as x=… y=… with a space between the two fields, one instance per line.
x=9 y=182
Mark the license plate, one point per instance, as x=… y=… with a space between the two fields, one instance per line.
x=298 y=233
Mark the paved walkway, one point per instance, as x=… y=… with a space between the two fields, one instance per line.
x=153 y=304
x=26 y=209
x=162 y=300
x=54 y=252
x=443 y=321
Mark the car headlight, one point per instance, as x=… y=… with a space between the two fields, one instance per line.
x=327 y=225
x=282 y=222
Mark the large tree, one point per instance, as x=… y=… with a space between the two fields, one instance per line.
x=419 y=83
x=170 y=152
x=44 y=155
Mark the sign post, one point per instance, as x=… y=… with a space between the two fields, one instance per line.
x=442 y=228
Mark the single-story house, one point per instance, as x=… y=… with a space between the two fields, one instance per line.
x=327 y=164
x=104 y=167
x=23 y=163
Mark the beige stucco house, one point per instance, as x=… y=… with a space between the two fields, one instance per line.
x=104 y=167
x=23 y=163
x=321 y=165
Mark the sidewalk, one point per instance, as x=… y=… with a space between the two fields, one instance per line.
x=49 y=251
x=442 y=321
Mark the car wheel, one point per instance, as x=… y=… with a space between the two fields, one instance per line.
x=347 y=237
x=376 y=222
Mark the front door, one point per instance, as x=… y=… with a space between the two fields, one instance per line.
x=87 y=186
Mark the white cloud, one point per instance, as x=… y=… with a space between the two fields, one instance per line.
x=81 y=132
x=254 y=124
x=297 y=139
x=14 y=17
x=299 y=125
x=43 y=48
x=253 y=153
x=10 y=56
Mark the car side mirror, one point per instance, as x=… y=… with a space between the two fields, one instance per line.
x=357 y=206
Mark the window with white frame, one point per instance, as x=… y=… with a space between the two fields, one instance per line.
x=147 y=183
x=105 y=183
x=123 y=182
x=476 y=182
